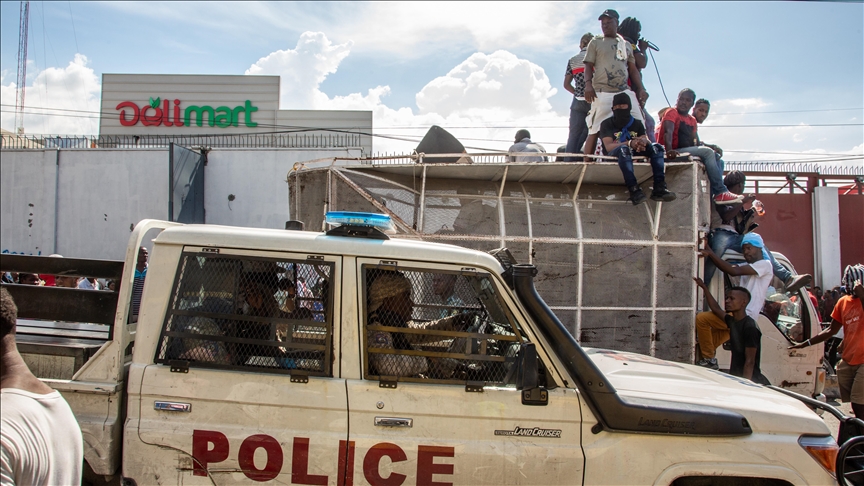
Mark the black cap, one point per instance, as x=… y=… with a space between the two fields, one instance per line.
x=609 y=13
x=522 y=134
x=622 y=99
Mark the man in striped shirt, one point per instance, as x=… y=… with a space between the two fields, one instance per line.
x=574 y=82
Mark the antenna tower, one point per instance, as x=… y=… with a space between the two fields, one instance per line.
x=22 y=67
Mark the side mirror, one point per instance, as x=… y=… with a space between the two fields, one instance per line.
x=528 y=376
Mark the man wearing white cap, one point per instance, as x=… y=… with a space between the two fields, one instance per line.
x=609 y=63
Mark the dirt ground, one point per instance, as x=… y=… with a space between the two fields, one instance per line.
x=832 y=423
x=832 y=393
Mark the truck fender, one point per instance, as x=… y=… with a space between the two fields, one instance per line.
x=708 y=469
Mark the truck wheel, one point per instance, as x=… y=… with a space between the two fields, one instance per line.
x=850 y=462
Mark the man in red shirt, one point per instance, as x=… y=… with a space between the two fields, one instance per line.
x=678 y=134
x=848 y=314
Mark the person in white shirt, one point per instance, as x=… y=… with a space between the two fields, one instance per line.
x=756 y=275
x=40 y=440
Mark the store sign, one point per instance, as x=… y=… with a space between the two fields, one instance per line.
x=160 y=112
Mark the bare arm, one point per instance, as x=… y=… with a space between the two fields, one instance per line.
x=641 y=59
x=611 y=144
x=590 y=95
x=822 y=336
x=726 y=267
x=568 y=83
x=749 y=362
x=668 y=128
x=712 y=302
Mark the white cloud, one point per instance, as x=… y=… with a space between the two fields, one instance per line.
x=743 y=103
x=481 y=91
x=498 y=84
x=412 y=28
x=303 y=68
x=74 y=89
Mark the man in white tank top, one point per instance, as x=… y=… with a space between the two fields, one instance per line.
x=40 y=439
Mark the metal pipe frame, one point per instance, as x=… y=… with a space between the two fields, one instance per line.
x=654 y=243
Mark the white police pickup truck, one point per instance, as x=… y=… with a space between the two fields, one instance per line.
x=350 y=358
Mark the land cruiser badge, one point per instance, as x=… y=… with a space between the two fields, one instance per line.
x=530 y=432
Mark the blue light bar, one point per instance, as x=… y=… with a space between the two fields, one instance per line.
x=348 y=218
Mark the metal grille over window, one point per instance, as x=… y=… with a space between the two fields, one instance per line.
x=437 y=326
x=237 y=312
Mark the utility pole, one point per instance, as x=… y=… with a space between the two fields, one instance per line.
x=22 y=67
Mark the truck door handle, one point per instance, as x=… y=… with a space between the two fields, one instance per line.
x=393 y=422
x=172 y=406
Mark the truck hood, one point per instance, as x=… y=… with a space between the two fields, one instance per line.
x=767 y=411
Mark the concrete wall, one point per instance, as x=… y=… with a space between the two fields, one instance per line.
x=27 y=183
x=257 y=180
x=91 y=198
x=103 y=193
x=826 y=231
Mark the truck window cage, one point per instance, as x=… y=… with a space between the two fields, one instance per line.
x=249 y=313
x=439 y=327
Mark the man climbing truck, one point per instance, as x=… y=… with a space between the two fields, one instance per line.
x=226 y=385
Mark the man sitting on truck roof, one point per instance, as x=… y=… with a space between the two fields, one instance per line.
x=609 y=63
x=742 y=331
x=678 y=134
x=40 y=440
x=711 y=331
x=523 y=143
x=700 y=112
x=622 y=136
x=848 y=315
x=729 y=224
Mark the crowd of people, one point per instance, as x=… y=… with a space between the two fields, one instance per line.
x=608 y=107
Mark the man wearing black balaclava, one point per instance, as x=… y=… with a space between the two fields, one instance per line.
x=623 y=137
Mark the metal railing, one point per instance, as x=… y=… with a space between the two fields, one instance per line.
x=822 y=168
x=502 y=157
x=280 y=140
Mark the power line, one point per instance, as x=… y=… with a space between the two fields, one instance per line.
x=88 y=114
x=788 y=111
x=72 y=18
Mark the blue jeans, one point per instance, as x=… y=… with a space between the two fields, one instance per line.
x=721 y=240
x=625 y=162
x=713 y=166
x=578 y=127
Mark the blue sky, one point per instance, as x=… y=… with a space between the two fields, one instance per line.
x=413 y=64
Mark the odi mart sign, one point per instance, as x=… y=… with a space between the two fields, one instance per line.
x=154 y=104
